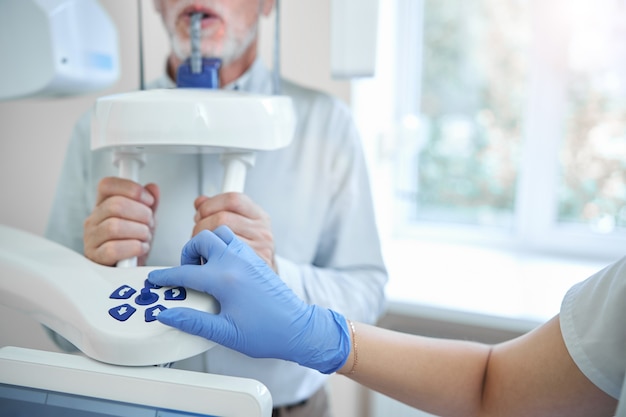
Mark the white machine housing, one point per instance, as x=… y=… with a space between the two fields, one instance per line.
x=192 y=120
x=71 y=295
x=56 y=48
x=36 y=383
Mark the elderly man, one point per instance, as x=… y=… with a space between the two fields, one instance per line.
x=306 y=209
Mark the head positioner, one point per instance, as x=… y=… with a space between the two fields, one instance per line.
x=194 y=118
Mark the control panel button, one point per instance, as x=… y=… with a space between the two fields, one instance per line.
x=122 y=293
x=152 y=312
x=146 y=297
x=176 y=293
x=148 y=284
x=122 y=312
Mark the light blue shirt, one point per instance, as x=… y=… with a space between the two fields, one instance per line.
x=316 y=192
x=593 y=324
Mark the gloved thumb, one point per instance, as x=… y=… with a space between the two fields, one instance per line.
x=210 y=326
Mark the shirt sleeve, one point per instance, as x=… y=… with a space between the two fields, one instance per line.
x=70 y=206
x=348 y=273
x=593 y=327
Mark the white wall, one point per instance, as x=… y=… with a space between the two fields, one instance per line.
x=34 y=133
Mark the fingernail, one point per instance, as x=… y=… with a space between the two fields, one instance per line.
x=147 y=198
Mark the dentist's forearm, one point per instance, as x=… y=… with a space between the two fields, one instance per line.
x=531 y=375
x=430 y=374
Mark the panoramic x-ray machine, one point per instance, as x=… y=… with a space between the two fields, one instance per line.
x=110 y=313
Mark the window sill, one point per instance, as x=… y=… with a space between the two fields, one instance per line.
x=472 y=285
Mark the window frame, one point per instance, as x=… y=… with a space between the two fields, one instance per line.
x=396 y=89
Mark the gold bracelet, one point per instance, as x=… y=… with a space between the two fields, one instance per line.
x=355 y=354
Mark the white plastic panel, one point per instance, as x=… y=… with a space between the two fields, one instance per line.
x=192 y=120
x=130 y=392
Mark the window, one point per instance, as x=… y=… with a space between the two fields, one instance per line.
x=501 y=122
x=592 y=186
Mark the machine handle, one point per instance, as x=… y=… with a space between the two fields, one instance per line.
x=128 y=163
x=235 y=167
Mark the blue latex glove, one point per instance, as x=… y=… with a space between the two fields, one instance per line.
x=259 y=315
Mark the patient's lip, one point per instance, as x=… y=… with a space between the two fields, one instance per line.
x=209 y=16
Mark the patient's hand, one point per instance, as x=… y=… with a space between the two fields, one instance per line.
x=243 y=216
x=122 y=223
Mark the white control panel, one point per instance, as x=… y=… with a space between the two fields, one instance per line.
x=108 y=313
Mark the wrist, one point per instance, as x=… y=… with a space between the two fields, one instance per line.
x=349 y=367
x=332 y=354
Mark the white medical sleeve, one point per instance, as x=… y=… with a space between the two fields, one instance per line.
x=593 y=327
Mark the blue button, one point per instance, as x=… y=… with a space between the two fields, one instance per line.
x=153 y=312
x=123 y=312
x=148 y=284
x=176 y=293
x=122 y=293
x=146 y=297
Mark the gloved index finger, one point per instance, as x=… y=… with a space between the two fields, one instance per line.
x=204 y=245
x=224 y=233
x=194 y=277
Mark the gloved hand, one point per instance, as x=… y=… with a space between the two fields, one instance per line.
x=259 y=315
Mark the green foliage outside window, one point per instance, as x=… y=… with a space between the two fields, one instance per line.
x=473 y=95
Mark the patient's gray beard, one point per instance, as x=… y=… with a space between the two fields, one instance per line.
x=232 y=49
